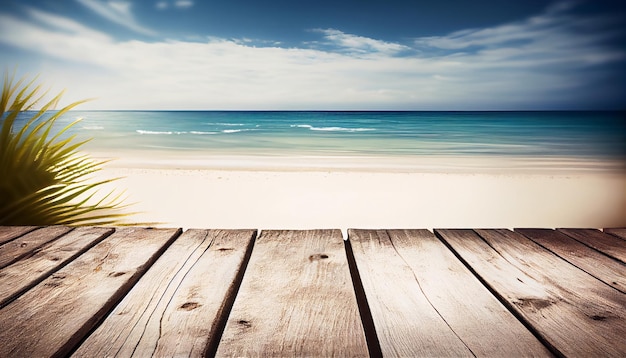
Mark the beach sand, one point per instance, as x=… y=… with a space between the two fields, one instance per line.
x=279 y=193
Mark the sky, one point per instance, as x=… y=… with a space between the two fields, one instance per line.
x=321 y=55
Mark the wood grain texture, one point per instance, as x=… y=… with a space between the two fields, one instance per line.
x=575 y=314
x=617 y=232
x=608 y=244
x=174 y=308
x=22 y=275
x=296 y=299
x=13 y=251
x=582 y=256
x=51 y=318
x=426 y=303
x=8 y=233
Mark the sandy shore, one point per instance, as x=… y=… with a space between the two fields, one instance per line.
x=286 y=196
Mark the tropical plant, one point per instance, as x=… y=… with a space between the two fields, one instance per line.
x=44 y=179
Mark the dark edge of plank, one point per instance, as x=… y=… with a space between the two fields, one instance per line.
x=45 y=275
x=509 y=306
x=601 y=246
x=371 y=337
x=91 y=325
x=22 y=230
x=531 y=235
x=37 y=246
x=616 y=232
x=222 y=318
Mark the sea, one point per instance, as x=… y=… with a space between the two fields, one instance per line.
x=574 y=136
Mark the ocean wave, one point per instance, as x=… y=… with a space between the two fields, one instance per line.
x=93 y=128
x=236 y=130
x=202 y=133
x=141 y=131
x=331 y=129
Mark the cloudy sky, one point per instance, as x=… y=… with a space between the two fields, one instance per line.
x=348 y=54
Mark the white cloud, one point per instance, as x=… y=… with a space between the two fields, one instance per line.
x=62 y=24
x=554 y=37
x=121 y=7
x=180 y=4
x=360 y=44
x=183 y=4
x=118 y=12
x=510 y=66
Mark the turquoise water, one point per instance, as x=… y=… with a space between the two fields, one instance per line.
x=588 y=135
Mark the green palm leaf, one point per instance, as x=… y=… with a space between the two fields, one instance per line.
x=44 y=179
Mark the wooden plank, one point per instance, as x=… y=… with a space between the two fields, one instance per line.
x=296 y=299
x=176 y=307
x=426 y=303
x=574 y=313
x=23 y=246
x=582 y=256
x=24 y=274
x=54 y=316
x=8 y=233
x=600 y=241
x=618 y=232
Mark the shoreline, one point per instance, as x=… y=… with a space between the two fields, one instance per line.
x=443 y=164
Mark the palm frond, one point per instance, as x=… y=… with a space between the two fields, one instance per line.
x=44 y=179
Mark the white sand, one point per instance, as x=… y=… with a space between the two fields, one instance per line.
x=287 y=196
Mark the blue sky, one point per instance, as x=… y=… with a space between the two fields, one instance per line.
x=281 y=54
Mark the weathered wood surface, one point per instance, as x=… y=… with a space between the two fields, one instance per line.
x=176 y=308
x=595 y=263
x=573 y=312
x=426 y=303
x=8 y=233
x=618 y=232
x=24 y=245
x=154 y=292
x=22 y=275
x=296 y=299
x=600 y=241
x=51 y=318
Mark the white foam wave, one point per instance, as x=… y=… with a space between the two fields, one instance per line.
x=236 y=130
x=202 y=133
x=141 y=131
x=331 y=129
x=93 y=128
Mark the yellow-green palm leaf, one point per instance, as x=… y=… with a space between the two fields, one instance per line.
x=43 y=177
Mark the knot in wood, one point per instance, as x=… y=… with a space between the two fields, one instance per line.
x=188 y=306
x=316 y=257
x=598 y=318
x=244 y=323
x=533 y=303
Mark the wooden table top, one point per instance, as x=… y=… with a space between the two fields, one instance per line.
x=133 y=291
